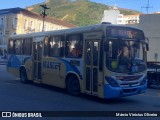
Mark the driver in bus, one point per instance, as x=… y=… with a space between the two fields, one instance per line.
x=124 y=60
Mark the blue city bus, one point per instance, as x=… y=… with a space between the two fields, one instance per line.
x=84 y=60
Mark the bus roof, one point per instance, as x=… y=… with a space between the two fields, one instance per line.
x=76 y=30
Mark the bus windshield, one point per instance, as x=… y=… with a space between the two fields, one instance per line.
x=125 y=53
x=125 y=56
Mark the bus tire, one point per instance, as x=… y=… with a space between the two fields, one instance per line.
x=73 y=86
x=23 y=76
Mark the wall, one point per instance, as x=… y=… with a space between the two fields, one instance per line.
x=150 y=24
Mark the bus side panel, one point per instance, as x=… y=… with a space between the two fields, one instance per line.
x=13 y=71
x=13 y=65
x=53 y=72
x=100 y=85
x=15 y=62
x=28 y=64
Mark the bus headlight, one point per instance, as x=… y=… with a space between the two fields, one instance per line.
x=144 y=80
x=112 y=82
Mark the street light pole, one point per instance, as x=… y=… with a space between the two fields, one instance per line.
x=44 y=14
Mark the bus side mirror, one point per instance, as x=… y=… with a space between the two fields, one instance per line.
x=147 y=47
x=106 y=46
x=147 y=44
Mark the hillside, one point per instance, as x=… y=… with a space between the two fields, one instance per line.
x=78 y=12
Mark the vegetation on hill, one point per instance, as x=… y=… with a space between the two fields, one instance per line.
x=78 y=12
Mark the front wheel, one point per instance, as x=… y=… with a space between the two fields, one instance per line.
x=73 y=86
x=23 y=76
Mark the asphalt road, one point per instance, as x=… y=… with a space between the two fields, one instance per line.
x=15 y=96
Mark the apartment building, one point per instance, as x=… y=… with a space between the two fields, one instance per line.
x=131 y=19
x=115 y=17
x=21 y=21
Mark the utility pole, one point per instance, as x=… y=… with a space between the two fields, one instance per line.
x=147 y=7
x=44 y=14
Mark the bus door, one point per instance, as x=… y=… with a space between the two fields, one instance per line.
x=92 y=75
x=91 y=66
x=37 y=59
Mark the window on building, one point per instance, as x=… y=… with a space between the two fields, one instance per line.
x=45 y=28
x=1 y=21
x=40 y=27
x=25 y=24
x=32 y=25
x=54 y=46
x=74 y=45
x=53 y=28
x=15 y=23
x=1 y=34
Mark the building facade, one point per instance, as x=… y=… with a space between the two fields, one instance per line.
x=21 y=21
x=149 y=23
x=131 y=19
x=115 y=17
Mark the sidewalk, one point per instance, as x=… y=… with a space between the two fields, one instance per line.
x=3 y=61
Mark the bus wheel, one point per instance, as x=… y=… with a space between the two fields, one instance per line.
x=73 y=86
x=23 y=76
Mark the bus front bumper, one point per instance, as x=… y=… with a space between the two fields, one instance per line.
x=116 y=92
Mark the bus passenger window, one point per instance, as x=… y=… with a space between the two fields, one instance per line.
x=88 y=57
x=56 y=49
x=19 y=47
x=95 y=55
x=62 y=46
x=54 y=46
x=46 y=46
x=74 y=46
x=11 y=47
x=27 y=46
x=74 y=52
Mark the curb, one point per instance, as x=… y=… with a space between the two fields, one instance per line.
x=3 y=63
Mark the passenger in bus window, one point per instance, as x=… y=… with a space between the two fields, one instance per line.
x=62 y=48
x=56 y=49
x=79 y=51
x=74 y=52
x=88 y=57
x=95 y=56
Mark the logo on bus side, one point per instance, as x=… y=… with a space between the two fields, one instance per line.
x=53 y=65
